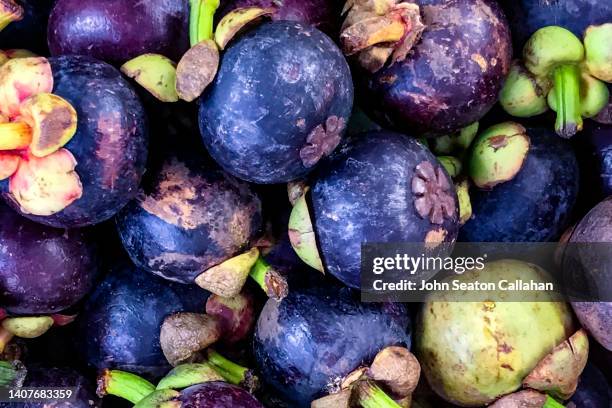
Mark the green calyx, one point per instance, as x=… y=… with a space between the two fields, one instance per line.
x=455 y=143
x=465 y=203
x=10 y=12
x=201 y=20
x=451 y=164
x=372 y=396
x=594 y=96
x=186 y=375
x=557 y=53
x=232 y=372
x=124 y=385
x=302 y=235
x=524 y=95
x=160 y=399
x=552 y=403
x=228 y=278
x=567 y=96
x=498 y=154
x=598 y=47
x=27 y=327
x=12 y=374
x=155 y=73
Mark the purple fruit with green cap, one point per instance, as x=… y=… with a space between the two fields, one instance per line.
x=279 y=104
x=118 y=30
x=43 y=270
x=528 y=16
x=189 y=217
x=122 y=318
x=520 y=199
x=316 y=336
x=379 y=187
x=430 y=66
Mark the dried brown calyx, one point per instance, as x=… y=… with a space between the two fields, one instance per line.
x=34 y=126
x=434 y=196
x=183 y=335
x=380 y=31
x=322 y=140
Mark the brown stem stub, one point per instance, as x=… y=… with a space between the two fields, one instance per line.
x=102 y=383
x=322 y=140
x=276 y=285
x=434 y=198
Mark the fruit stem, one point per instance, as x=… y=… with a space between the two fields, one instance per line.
x=5 y=338
x=567 y=91
x=124 y=385
x=272 y=283
x=11 y=374
x=9 y=13
x=230 y=371
x=552 y=403
x=201 y=20
x=372 y=396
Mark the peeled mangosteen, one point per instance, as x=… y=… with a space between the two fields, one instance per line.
x=31 y=31
x=189 y=217
x=307 y=343
x=121 y=322
x=99 y=169
x=58 y=377
x=279 y=104
x=533 y=206
x=43 y=270
x=587 y=256
x=318 y=13
x=118 y=30
x=430 y=66
x=474 y=352
x=527 y=16
x=380 y=187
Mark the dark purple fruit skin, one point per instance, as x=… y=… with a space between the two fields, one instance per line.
x=31 y=32
x=43 y=270
x=536 y=205
x=596 y=317
x=592 y=391
x=190 y=217
x=122 y=318
x=318 y=13
x=52 y=377
x=453 y=75
x=118 y=30
x=217 y=394
x=364 y=194
x=317 y=335
x=597 y=140
x=110 y=145
x=275 y=85
x=527 y=16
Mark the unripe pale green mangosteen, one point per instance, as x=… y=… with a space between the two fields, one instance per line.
x=475 y=352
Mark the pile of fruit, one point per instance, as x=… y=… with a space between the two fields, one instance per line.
x=186 y=185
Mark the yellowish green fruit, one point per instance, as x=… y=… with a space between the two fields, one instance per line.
x=475 y=352
x=598 y=46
